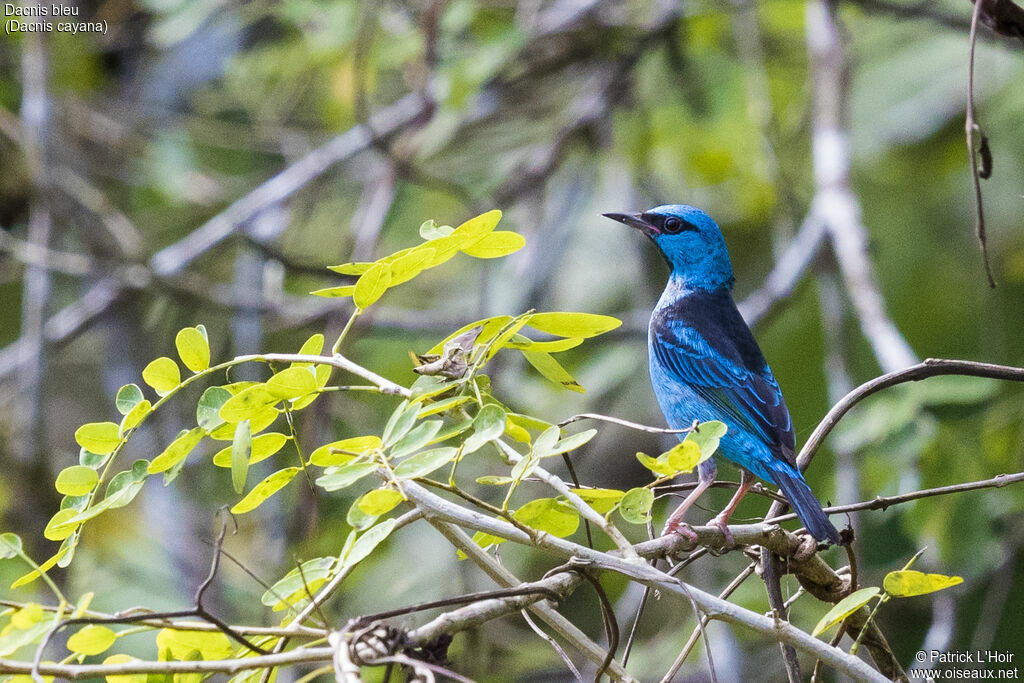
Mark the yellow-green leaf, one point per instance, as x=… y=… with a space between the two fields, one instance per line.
x=76 y=480
x=57 y=529
x=371 y=285
x=707 y=436
x=335 y=292
x=263 y=446
x=135 y=416
x=491 y=326
x=92 y=640
x=259 y=421
x=124 y=678
x=656 y=465
x=602 y=500
x=546 y=365
x=162 y=374
x=478 y=226
x=684 y=456
x=182 y=645
x=342 y=452
x=246 y=405
x=193 y=349
x=573 y=324
x=311 y=347
x=844 y=608
x=177 y=450
x=240 y=449
x=496 y=245
x=550 y=515
x=909 y=582
x=357 y=268
x=408 y=266
x=379 y=501
x=100 y=438
x=43 y=568
x=291 y=383
x=264 y=490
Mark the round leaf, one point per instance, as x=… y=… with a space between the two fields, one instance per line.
x=127 y=398
x=193 y=349
x=100 y=438
x=92 y=640
x=550 y=515
x=162 y=374
x=76 y=480
x=635 y=506
x=291 y=383
x=208 y=408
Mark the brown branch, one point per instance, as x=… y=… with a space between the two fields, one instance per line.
x=971 y=126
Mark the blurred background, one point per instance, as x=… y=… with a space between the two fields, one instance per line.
x=202 y=161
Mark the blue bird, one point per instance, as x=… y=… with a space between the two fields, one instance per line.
x=706 y=365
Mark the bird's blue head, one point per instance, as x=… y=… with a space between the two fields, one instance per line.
x=691 y=242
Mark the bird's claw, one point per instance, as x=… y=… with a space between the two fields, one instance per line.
x=683 y=529
x=721 y=525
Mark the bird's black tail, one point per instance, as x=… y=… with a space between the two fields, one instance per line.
x=806 y=506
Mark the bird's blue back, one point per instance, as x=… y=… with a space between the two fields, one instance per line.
x=706 y=365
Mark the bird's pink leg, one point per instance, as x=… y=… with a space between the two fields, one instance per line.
x=675 y=525
x=746 y=481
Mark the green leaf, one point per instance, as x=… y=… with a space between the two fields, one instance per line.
x=485 y=540
x=335 y=478
x=311 y=347
x=10 y=546
x=193 y=348
x=59 y=526
x=357 y=519
x=546 y=365
x=416 y=438
x=478 y=227
x=208 y=408
x=488 y=425
x=492 y=480
x=247 y=404
x=707 y=436
x=371 y=285
x=635 y=506
x=291 y=383
x=422 y=464
x=76 y=480
x=92 y=640
x=100 y=438
x=185 y=645
x=656 y=465
x=124 y=678
x=263 y=446
x=135 y=416
x=330 y=453
x=443 y=405
x=569 y=443
x=520 y=342
x=909 y=582
x=573 y=324
x=550 y=515
x=408 y=266
x=162 y=374
x=258 y=421
x=124 y=486
x=357 y=268
x=366 y=542
x=844 y=608
x=299 y=583
x=241 y=447
x=399 y=424
x=128 y=396
x=339 y=292
x=379 y=501
x=497 y=244
x=602 y=500
x=264 y=490
x=684 y=456
x=177 y=450
x=490 y=327
x=430 y=230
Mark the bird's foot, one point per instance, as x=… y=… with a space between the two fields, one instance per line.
x=683 y=529
x=720 y=523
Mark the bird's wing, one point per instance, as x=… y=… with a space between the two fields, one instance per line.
x=707 y=346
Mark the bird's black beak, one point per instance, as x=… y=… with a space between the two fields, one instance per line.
x=634 y=220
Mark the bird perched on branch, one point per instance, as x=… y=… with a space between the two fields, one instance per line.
x=706 y=365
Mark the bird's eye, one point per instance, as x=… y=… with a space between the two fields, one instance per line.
x=672 y=225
